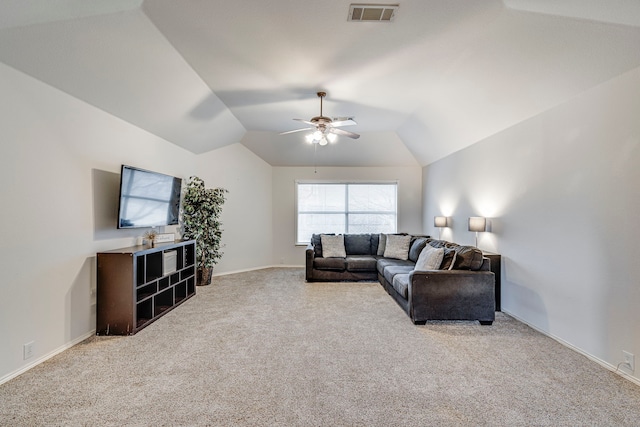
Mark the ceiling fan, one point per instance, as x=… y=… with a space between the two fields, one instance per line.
x=325 y=129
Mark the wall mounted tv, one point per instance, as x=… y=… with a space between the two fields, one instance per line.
x=148 y=199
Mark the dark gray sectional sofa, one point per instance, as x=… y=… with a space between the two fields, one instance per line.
x=462 y=289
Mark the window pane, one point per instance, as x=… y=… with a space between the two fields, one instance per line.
x=345 y=208
x=372 y=223
x=372 y=197
x=319 y=223
x=321 y=198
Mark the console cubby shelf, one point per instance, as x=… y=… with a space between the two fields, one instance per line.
x=137 y=285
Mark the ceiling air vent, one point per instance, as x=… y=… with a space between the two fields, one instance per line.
x=372 y=12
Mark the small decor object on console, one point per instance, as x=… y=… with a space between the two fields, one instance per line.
x=165 y=238
x=150 y=236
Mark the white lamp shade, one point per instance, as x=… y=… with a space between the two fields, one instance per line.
x=477 y=223
x=440 y=221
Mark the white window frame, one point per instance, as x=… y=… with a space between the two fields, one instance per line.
x=347 y=212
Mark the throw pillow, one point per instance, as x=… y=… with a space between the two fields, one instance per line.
x=430 y=259
x=397 y=246
x=382 y=243
x=333 y=246
x=449 y=259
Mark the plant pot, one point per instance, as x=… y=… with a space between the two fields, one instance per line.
x=203 y=276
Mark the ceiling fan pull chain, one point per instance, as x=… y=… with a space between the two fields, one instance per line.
x=315 y=166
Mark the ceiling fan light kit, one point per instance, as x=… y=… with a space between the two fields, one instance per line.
x=325 y=129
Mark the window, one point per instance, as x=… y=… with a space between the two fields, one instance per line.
x=345 y=208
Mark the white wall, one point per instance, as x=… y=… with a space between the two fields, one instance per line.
x=409 y=201
x=563 y=192
x=59 y=168
x=246 y=215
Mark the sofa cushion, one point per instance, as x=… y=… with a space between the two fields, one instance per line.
x=448 y=259
x=397 y=246
x=357 y=244
x=333 y=246
x=361 y=263
x=391 y=271
x=416 y=247
x=386 y=262
x=375 y=239
x=382 y=243
x=438 y=243
x=468 y=258
x=401 y=284
x=335 y=264
x=430 y=259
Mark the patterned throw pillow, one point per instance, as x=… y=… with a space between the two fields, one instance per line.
x=397 y=246
x=430 y=259
x=333 y=246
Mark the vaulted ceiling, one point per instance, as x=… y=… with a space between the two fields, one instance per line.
x=204 y=74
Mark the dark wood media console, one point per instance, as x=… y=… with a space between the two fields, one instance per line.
x=137 y=285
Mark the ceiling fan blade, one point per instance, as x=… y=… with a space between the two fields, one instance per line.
x=348 y=122
x=305 y=121
x=296 y=130
x=344 y=133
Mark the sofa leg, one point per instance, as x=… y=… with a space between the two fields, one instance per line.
x=486 y=322
x=419 y=322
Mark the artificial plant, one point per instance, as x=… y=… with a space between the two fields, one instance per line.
x=201 y=209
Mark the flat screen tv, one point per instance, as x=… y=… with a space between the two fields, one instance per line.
x=148 y=199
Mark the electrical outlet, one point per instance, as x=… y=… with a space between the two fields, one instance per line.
x=629 y=361
x=27 y=350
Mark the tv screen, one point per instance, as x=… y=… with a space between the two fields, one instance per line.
x=148 y=199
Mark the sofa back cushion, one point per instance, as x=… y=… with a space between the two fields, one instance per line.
x=382 y=243
x=375 y=241
x=448 y=259
x=467 y=258
x=357 y=244
x=417 y=246
x=458 y=257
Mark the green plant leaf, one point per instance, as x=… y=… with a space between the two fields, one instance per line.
x=201 y=209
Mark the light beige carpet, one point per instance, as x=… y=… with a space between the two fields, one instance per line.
x=265 y=348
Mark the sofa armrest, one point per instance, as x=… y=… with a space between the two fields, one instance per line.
x=310 y=254
x=447 y=294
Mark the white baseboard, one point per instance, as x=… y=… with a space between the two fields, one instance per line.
x=225 y=273
x=47 y=356
x=599 y=361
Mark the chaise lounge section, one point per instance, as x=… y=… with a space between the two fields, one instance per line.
x=459 y=286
